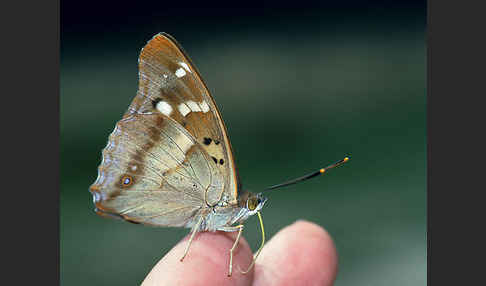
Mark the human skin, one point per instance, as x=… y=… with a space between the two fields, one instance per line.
x=302 y=253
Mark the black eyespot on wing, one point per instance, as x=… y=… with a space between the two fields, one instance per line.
x=216 y=142
x=215 y=160
x=126 y=181
x=221 y=161
x=207 y=141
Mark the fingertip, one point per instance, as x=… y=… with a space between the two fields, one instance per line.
x=323 y=243
x=310 y=229
x=206 y=262
x=302 y=253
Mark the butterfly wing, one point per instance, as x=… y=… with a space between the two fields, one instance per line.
x=170 y=83
x=169 y=156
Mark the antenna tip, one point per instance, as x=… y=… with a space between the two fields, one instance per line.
x=322 y=170
x=346 y=159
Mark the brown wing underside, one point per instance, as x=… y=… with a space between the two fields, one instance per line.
x=169 y=156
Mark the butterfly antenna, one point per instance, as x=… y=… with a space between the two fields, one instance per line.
x=308 y=176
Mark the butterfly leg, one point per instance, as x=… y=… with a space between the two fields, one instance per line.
x=194 y=230
x=238 y=228
x=261 y=246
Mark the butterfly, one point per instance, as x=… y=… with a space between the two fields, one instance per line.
x=169 y=161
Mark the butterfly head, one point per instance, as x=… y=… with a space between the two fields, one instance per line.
x=255 y=202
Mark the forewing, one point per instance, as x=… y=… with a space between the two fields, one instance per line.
x=170 y=84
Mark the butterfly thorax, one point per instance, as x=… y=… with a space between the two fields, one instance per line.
x=223 y=214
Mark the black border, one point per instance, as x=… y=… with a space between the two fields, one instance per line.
x=455 y=143
x=30 y=133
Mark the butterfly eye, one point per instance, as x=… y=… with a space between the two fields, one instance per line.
x=126 y=181
x=252 y=204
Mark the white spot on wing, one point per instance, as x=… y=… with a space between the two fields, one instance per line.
x=183 y=142
x=183 y=109
x=180 y=72
x=185 y=66
x=204 y=106
x=164 y=108
x=193 y=106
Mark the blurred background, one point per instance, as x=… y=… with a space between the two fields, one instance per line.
x=298 y=88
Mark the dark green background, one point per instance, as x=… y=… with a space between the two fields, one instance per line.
x=297 y=90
